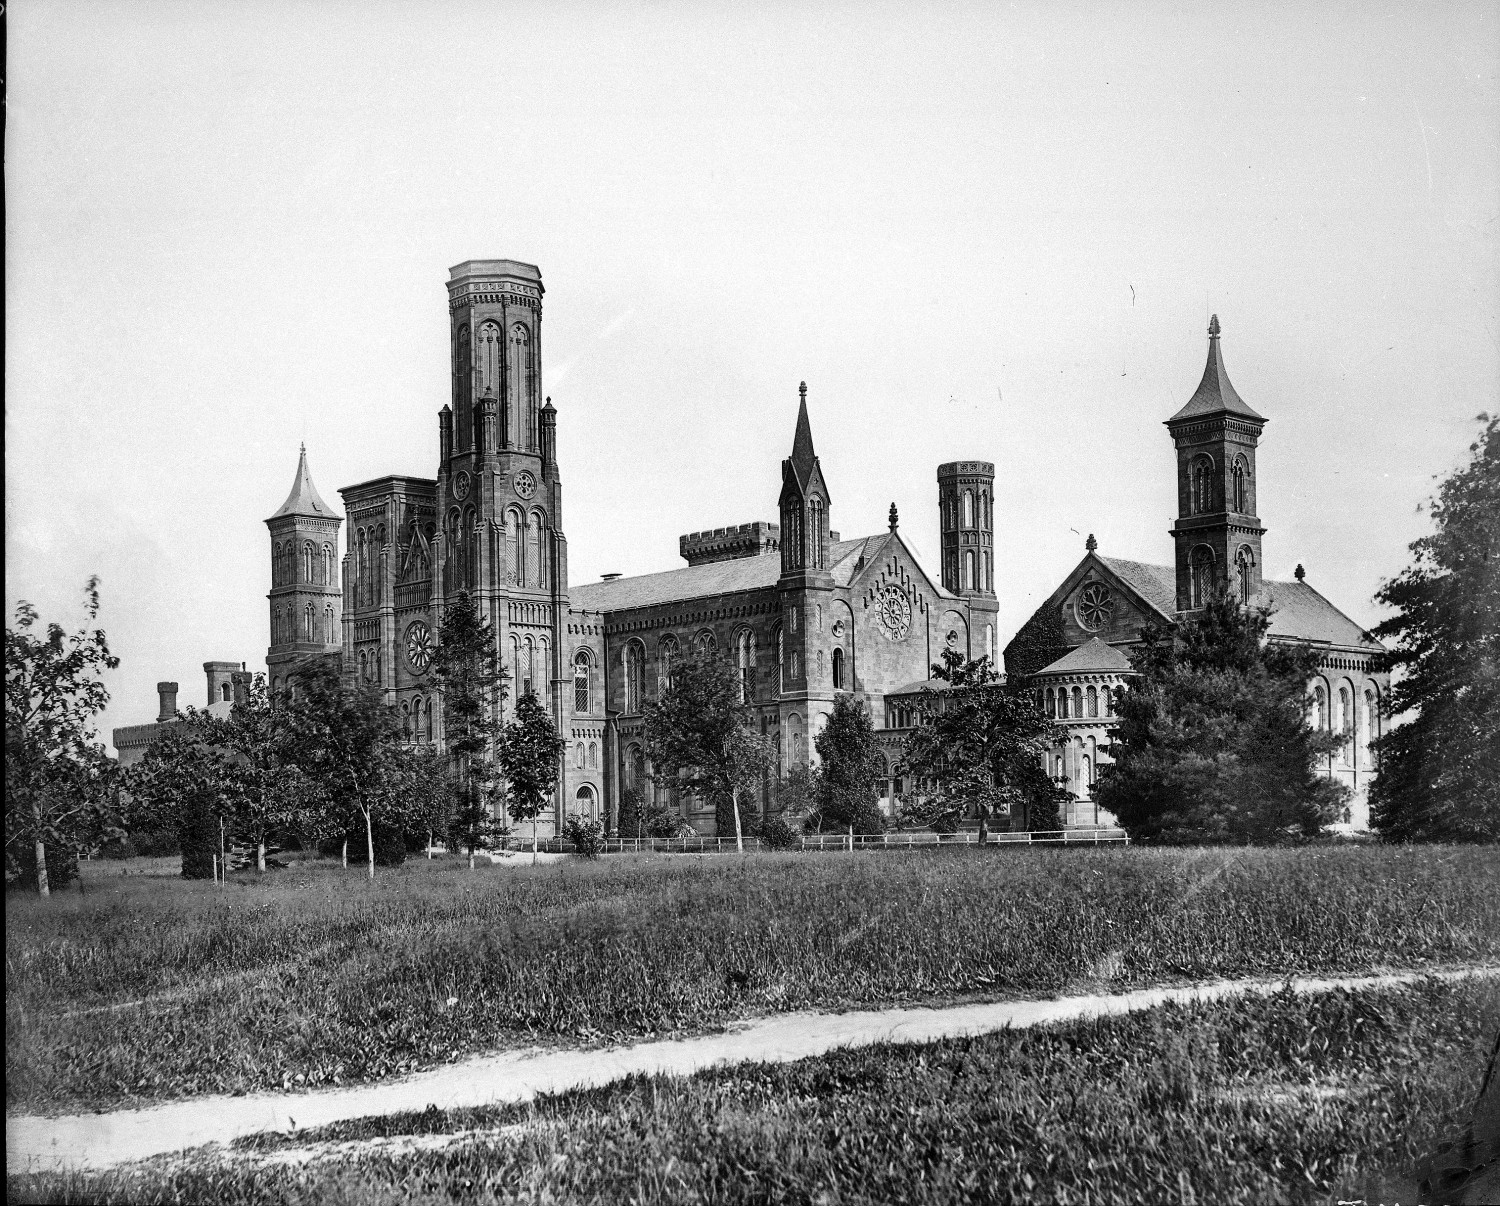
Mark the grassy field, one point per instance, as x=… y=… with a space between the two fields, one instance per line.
x=1280 y=1100
x=142 y=988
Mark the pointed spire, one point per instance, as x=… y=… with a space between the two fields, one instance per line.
x=304 y=498
x=803 y=456
x=1091 y=544
x=1215 y=395
x=894 y=520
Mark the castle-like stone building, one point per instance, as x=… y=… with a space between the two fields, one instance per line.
x=804 y=614
x=1074 y=646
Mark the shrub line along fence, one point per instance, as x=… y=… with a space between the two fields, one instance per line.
x=839 y=841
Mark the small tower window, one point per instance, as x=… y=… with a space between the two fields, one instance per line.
x=971 y=576
x=1077 y=701
x=1201 y=576
x=1241 y=493
x=1093 y=701
x=838 y=669
x=1051 y=703
x=968 y=508
x=581 y=702
x=1202 y=485
x=1062 y=703
x=307 y=562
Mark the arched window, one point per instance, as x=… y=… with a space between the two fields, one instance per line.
x=968 y=508
x=666 y=654
x=635 y=672
x=706 y=644
x=427 y=720
x=307 y=624
x=578 y=755
x=838 y=669
x=514 y=574
x=224 y=692
x=584 y=804
x=487 y=359
x=1093 y=702
x=795 y=668
x=581 y=702
x=971 y=578
x=523 y=386
x=1241 y=486
x=534 y=551
x=328 y=574
x=1051 y=703
x=1201 y=576
x=989 y=573
x=364 y=668
x=1346 y=721
x=744 y=663
x=1320 y=709
x=1107 y=698
x=1062 y=703
x=1202 y=485
x=780 y=659
x=1077 y=701
x=1244 y=560
x=331 y=625
x=463 y=387
x=1086 y=775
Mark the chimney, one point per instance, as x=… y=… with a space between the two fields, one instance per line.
x=241 y=683
x=167 y=694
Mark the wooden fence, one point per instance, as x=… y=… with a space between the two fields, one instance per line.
x=840 y=841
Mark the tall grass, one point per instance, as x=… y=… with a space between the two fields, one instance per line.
x=309 y=976
x=1284 y=1099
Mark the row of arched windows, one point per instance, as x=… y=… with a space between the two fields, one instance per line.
x=531 y=667
x=308 y=562
x=1204 y=487
x=364 y=545
x=586 y=757
x=289 y=625
x=508 y=373
x=1353 y=715
x=369 y=670
x=1060 y=703
x=977 y=570
x=970 y=510
x=1203 y=574
x=416 y=719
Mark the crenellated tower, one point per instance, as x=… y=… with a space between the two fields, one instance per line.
x=306 y=597
x=1217 y=532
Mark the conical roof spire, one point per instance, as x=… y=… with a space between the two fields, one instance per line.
x=803 y=457
x=304 y=498
x=1214 y=394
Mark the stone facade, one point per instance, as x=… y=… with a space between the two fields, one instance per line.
x=804 y=614
x=1217 y=534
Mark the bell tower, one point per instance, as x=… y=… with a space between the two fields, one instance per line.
x=307 y=598
x=1217 y=532
x=966 y=494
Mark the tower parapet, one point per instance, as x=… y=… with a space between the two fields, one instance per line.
x=731 y=543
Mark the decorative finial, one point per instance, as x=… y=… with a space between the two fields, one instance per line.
x=1299 y=573
x=1091 y=544
x=1213 y=326
x=802 y=390
x=894 y=520
x=302 y=448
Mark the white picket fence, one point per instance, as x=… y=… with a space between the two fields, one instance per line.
x=843 y=841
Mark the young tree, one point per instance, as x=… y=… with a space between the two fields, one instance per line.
x=530 y=755
x=348 y=741
x=263 y=789
x=472 y=682
x=180 y=784
x=982 y=742
x=847 y=782
x=1440 y=770
x=57 y=776
x=701 y=737
x=1213 y=742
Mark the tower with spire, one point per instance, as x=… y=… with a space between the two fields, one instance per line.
x=306 y=598
x=1217 y=533
x=805 y=586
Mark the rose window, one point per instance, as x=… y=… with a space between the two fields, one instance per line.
x=419 y=646
x=1094 y=606
x=894 y=613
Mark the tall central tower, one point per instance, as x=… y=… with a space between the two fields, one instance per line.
x=1217 y=533
x=499 y=495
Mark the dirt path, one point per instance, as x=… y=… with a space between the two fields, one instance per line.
x=103 y=1140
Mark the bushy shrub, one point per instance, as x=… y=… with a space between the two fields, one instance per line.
x=587 y=837
x=777 y=834
x=156 y=843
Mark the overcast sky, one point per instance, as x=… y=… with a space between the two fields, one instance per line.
x=976 y=231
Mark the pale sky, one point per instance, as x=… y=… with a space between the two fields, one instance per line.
x=976 y=231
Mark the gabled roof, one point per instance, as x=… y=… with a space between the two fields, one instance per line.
x=1156 y=584
x=304 y=498
x=1093 y=656
x=1214 y=394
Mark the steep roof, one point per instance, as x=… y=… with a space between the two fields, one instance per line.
x=1093 y=656
x=803 y=457
x=1297 y=610
x=1215 y=395
x=304 y=498
x=1157 y=584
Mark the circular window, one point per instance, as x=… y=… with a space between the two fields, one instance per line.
x=418 y=646
x=525 y=484
x=894 y=613
x=1094 y=606
x=461 y=485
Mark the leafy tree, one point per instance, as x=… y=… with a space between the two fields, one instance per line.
x=1213 y=742
x=472 y=683
x=422 y=775
x=847 y=782
x=981 y=742
x=530 y=756
x=700 y=735
x=58 y=790
x=180 y=784
x=642 y=818
x=350 y=743
x=1440 y=770
x=263 y=790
